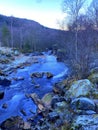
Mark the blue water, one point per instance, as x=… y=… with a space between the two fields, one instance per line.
x=15 y=94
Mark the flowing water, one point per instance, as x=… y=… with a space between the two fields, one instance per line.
x=15 y=93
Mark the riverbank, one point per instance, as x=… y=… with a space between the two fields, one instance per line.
x=71 y=105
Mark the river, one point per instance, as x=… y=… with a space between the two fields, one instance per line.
x=15 y=93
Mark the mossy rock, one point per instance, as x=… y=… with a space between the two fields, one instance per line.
x=95 y=94
x=93 y=78
x=80 y=88
x=94 y=70
x=47 y=99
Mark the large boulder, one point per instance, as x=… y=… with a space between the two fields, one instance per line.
x=83 y=105
x=85 y=122
x=80 y=88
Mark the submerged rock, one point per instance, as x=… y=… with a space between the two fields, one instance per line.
x=4 y=81
x=18 y=78
x=5 y=106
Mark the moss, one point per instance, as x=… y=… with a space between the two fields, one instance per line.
x=95 y=95
x=93 y=78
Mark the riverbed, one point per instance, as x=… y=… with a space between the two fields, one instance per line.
x=16 y=97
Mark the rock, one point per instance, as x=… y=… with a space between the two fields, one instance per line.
x=80 y=88
x=37 y=75
x=47 y=100
x=82 y=103
x=13 y=123
x=27 y=126
x=1 y=95
x=58 y=123
x=38 y=102
x=16 y=53
x=23 y=112
x=2 y=73
x=95 y=94
x=52 y=116
x=85 y=122
x=94 y=70
x=4 y=81
x=49 y=75
x=93 y=78
x=60 y=106
x=59 y=88
x=4 y=106
x=55 y=100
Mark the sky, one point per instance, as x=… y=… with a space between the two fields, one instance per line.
x=46 y=12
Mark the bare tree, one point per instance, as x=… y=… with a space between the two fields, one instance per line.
x=73 y=8
x=93 y=12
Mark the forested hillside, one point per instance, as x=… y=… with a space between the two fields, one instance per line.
x=27 y=34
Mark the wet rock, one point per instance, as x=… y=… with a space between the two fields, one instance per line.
x=4 y=81
x=4 y=106
x=85 y=122
x=83 y=103
x=13 y=123
x=1 y=95
x=23 y=112
x=49 y=75
x=37 y=75
x=38 y=102
x=59 y=88
x=80 y=88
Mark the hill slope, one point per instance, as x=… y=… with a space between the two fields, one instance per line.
x=23 y=33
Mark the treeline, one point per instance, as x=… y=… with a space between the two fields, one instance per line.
x=27 y=35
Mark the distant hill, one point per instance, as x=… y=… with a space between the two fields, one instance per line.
x=28 y=34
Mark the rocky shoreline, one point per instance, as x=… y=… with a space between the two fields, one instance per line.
x=72 y=105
